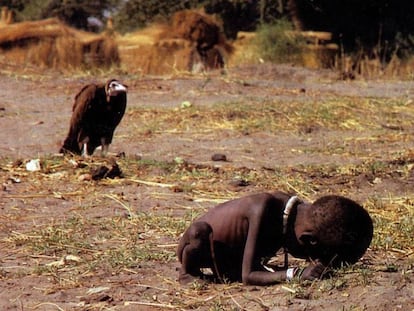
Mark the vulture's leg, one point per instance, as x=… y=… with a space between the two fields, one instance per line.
x=105 y=147
x=85 y=150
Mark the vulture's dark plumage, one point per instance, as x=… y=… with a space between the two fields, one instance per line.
x=97 y=111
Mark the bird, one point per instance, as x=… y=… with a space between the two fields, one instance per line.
x=96 y=112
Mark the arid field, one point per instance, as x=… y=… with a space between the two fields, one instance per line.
x=71 y=243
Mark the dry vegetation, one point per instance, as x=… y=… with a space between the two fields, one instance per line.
x=51 y=44
x=71 y=243
x=191 y=42
x=110 y=244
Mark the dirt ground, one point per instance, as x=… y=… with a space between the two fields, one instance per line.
x=34 y=117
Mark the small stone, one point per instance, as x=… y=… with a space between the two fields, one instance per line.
x=219 y=157
x=239 y=183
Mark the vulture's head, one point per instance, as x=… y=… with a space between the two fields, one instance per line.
x=114 y=87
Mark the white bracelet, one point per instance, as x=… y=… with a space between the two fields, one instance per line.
x=290 y=273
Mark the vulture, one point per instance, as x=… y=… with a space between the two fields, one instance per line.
x=96 y=112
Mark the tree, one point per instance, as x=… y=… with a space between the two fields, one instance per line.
x=76 y=12
x=375 y=26
x=236 y=15
x=72 y=12
x=135 y=14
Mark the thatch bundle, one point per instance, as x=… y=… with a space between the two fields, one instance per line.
x=168 y=55
x=50 y=43
x=208 y=44
x=192 y=41
x=195 y=27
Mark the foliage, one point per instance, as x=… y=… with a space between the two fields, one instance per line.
x=13 y=4
x=73 y=12
x=138 y=13
x=31 y=10
x=276 y=45
x=379 y=28
x=237 y=15
x=384 y=29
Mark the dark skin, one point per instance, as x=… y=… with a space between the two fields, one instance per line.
x=242 y=232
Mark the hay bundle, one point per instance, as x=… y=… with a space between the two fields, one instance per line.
x=50 y=43
x=192 y=41
x=53 y=52
x=102 y=51
x=195 y=27
x=171 y=55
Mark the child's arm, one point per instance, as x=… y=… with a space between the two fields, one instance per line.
x=313 y=271
x=265 y=277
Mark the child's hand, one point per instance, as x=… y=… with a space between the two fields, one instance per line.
x=313 y=271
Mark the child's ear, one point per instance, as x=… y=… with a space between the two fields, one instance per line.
x=308 y=239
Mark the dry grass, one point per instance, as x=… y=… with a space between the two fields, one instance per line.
x=175 y=47
x=51 y=44
x=106 y=233
x=375 y=68
x=68 y=248
x=252 y=115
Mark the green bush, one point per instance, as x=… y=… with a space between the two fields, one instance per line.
x=276 y=42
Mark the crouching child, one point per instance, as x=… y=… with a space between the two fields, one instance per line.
x=236 y=238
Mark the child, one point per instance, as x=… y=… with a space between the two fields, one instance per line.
x=236 y=238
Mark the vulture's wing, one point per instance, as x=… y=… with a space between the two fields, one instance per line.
x=84 y=96
x=83 y=103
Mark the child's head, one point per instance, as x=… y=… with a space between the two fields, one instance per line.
x=342 y=230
